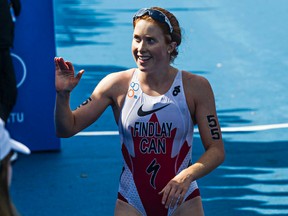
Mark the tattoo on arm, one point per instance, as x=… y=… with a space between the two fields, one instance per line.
x=85 y=102
x=213 y=127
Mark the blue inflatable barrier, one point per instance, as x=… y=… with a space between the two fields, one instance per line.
x=31 y=121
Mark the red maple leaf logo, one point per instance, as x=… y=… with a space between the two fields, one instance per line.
x=153 y=166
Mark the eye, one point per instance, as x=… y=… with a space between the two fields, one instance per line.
x=137 y=38
x=150 y=40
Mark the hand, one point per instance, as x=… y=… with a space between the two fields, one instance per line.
x=174 y=192
x=65 y=79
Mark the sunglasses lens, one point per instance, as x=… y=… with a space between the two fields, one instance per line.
x=158 y=16
x=140 y=13
x=155 y=14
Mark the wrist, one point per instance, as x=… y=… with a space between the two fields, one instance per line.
x=63 y=93
x=190 y=175
x=190 y=178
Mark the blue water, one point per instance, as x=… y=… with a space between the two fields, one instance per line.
x=239 y=46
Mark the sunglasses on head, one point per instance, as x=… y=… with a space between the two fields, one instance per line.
x=154 y=14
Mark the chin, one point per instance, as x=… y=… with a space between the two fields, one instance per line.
x=143 y=67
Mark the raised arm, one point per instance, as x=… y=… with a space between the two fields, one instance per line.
x=65 y=82
x=68 y=122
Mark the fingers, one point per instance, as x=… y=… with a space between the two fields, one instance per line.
x=65 y=79
x=180 y=199
x=56 y=63
x=165 y=192
x=70 y=65
x=171 y=196
x=66 y=65
x=175 y=200
x=61 y=64
x=79 y=75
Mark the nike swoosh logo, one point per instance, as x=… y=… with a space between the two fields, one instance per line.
x=142 y=113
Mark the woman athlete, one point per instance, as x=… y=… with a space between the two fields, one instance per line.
x=156 y=107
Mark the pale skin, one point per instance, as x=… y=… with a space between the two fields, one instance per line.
x=152 y=56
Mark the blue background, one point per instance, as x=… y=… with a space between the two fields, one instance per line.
x=31 y=121
x=239 y=46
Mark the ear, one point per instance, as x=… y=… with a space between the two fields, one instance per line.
x=171 y=47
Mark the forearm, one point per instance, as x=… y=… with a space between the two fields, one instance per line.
x=209 y=161
x=63 y=115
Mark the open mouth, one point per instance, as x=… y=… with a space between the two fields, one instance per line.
x=143 y=59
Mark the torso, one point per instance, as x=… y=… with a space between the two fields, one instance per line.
x=123 y=80
x=156 y=136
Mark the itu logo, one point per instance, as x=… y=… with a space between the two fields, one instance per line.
x=20 y=69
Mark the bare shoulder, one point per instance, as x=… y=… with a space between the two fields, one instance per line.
x=195 y=84
x=119 y=77
x=113 y=87
x=115 y=80
x=198 y=92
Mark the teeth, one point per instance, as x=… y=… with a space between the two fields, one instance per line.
x=144 y=57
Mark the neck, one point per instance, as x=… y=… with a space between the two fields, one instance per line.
x=155 y=76
x=157 y=82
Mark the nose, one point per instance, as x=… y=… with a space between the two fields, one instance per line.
x=142 y=46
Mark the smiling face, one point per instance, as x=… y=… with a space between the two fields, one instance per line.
x=149 y=46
